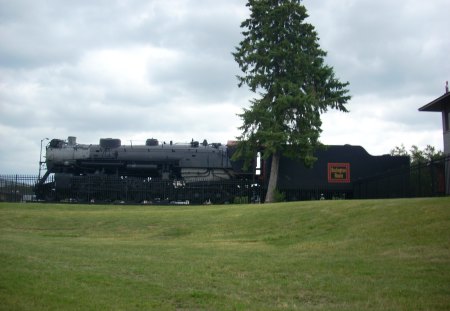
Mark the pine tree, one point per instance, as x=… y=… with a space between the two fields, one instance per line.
x=282 y=61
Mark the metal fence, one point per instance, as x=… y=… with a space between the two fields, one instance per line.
x=112 y=189
x=422 y=180
x=17 y=188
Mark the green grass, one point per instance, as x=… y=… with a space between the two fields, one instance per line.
x=322 y=255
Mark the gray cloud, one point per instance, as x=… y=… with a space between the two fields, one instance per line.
x=138 y=69
x=386 y=47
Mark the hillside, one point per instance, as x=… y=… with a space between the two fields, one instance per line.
x=321 y=255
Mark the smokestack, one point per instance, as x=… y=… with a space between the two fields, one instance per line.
x=446 y=87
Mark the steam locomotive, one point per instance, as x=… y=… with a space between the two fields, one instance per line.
x=141 y=168
x=196 y=172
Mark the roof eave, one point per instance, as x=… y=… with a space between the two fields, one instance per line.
x=437 y=104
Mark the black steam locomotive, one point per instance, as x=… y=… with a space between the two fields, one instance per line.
x=194 y=172
x=112 y=171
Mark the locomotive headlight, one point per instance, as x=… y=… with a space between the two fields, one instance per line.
x=66 y=163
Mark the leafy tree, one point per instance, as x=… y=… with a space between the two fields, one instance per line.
x=431 y=153
x=282 y=61
x=399 y=151
x=417 y=156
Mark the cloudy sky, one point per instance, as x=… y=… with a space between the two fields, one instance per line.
x=136 y=69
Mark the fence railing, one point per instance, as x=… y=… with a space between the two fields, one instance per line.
x=113 y=189
x=17 y=188
x=422 y=180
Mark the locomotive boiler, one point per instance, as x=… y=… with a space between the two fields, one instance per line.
x=154 y=160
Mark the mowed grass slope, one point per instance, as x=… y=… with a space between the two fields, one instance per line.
x=322 y=255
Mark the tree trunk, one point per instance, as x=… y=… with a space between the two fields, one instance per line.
x=270 y=196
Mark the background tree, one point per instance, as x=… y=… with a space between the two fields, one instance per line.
x=417 y=156
x=281 y=60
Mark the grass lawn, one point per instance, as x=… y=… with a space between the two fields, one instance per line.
x=321 y=255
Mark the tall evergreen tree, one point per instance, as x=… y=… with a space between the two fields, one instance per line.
x=281 y=59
